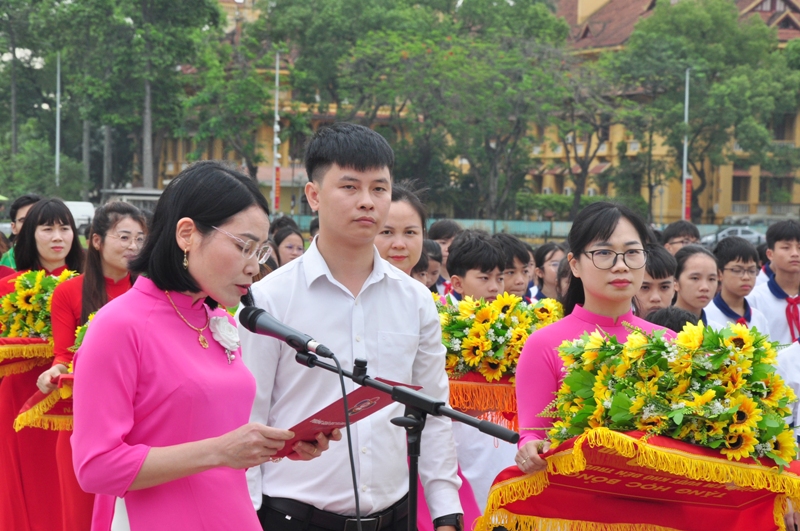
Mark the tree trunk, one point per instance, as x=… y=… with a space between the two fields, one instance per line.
x=157 y=147
x=107 y=157
x=12 y=40
x=580 y=186
x=86 y=155
x=147 y=136
x=650 y=186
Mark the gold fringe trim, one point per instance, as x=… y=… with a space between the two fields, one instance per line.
x=43 y=350
x=515 y=522
x=482 y=396
x=697 y=467
x=780 y=508
x=22 y=366
x=37 y=417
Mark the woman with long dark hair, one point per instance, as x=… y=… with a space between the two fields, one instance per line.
x=29 y=493
x=116 y=235
x=607 y=258
x=172 y=436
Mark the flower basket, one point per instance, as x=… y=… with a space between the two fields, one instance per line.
x=606 y=480
x=483 y=342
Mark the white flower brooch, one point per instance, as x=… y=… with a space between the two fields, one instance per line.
x=226 y=335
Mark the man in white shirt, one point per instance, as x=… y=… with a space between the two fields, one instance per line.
x=344 y=295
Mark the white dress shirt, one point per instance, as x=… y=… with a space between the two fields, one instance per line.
x=774 y=309
x=757 y=319
x=789 y=370
x=393 y=324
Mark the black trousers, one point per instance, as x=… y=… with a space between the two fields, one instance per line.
x=272 y=520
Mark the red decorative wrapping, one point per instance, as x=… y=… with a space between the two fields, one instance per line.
x=495 y=401
x=21 y=354
x=606 y=480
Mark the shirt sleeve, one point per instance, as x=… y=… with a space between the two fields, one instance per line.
x=260 y=355
x=438 y=468
x=64 y=324
x=538 y=375
x=106 y=381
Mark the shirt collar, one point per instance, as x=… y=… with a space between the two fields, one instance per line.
x=601 y=320
x=315 y=266
x=775 y=289
x=728 y=312
x=147 y=286
x=703 y=318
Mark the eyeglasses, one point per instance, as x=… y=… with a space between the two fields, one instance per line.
x=682 y=242
x=250 y=248
x=741 y=272
x=127 y=239
x=606 y=259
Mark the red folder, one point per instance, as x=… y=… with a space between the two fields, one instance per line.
x=362 y=402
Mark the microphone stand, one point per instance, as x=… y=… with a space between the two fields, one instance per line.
x=418 y=407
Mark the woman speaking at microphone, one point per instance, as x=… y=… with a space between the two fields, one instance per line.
x=162 y=399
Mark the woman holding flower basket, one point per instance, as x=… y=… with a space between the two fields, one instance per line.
x=172 y=438
x=607 y=258
x=117 y=233
x=48 y=244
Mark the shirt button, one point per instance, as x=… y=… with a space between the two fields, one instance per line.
x=358 y=339
x=363 y=488
x=364 y=450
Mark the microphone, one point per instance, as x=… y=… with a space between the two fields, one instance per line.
x=260 y=322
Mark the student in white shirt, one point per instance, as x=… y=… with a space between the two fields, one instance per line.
x=696 y=281
x=778 y=298
x=658 y=286
x=344 y=295
x=766 y=272
x=737 y=260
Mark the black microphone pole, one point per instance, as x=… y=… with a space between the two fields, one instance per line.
x=418 y=406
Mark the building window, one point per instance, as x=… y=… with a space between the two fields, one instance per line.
x=775 y=189
x=186 y=148
x=784 y=127
x=741 y=189
x=771 y=5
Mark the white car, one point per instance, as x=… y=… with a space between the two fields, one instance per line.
x=748 y=234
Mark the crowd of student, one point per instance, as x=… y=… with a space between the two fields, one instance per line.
x=169 y=413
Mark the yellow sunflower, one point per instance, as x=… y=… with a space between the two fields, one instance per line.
x=65 y=275
x=548 y=311
x=8 y=306
x=492 y=369
x=741 y=339
x=682 y=365
x=596 y=420
x=37 y=285
x=600 y=388
x=785 y=445
x=39 y=326
x=747 y=415
x=450 y=362
x=637 y=405
x=776 y=390
x=701 y=400
x=473 y=349
x=24 y=300
x=654 y=424
x=681 y=388
x=691 y=337
x=634 y=347
x=505 y=303
x=715 y=429
x=486 y=315
x=467 y=307
x=595 y=342
x=478 y=330
x=740 y=444
x=444 y=319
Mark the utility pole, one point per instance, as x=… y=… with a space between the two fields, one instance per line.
x=58 y=117
x=276 y=141
x=686 y=202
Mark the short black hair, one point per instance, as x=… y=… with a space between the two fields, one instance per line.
x=672 y=317
x=686 y=252
x=679 y=228
x=46 y=212
x=210 y=193
x=280 y=222
x=348 y=146
x=313 y=226
x=762 y=253
x=432 y=249
x=660 y=263
x=444 y=229
x=475 y=249
x=783 y=231
x=514 y=248
x=422 y=265
x=22 y=201
x=734 y=248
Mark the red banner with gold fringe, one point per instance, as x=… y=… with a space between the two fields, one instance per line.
x=21 y=354
x=605 y=480
x=492 y=401
x=51 y=411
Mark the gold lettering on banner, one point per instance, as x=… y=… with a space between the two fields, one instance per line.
x=701 y=493
x=648 y=486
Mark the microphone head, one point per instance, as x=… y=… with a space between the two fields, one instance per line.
x=248 y=317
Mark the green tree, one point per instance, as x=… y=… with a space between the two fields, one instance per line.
x=737 y=82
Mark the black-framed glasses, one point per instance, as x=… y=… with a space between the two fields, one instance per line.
x=606 y=258
x=742 y=272
x=250 y=248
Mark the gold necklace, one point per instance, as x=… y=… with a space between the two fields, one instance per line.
x=201 y=338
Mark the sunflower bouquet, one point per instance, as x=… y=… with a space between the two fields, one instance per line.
x=487 y=337
x=716 y=389
x=25 y=312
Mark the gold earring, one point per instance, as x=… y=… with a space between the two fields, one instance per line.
x=186 y=258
